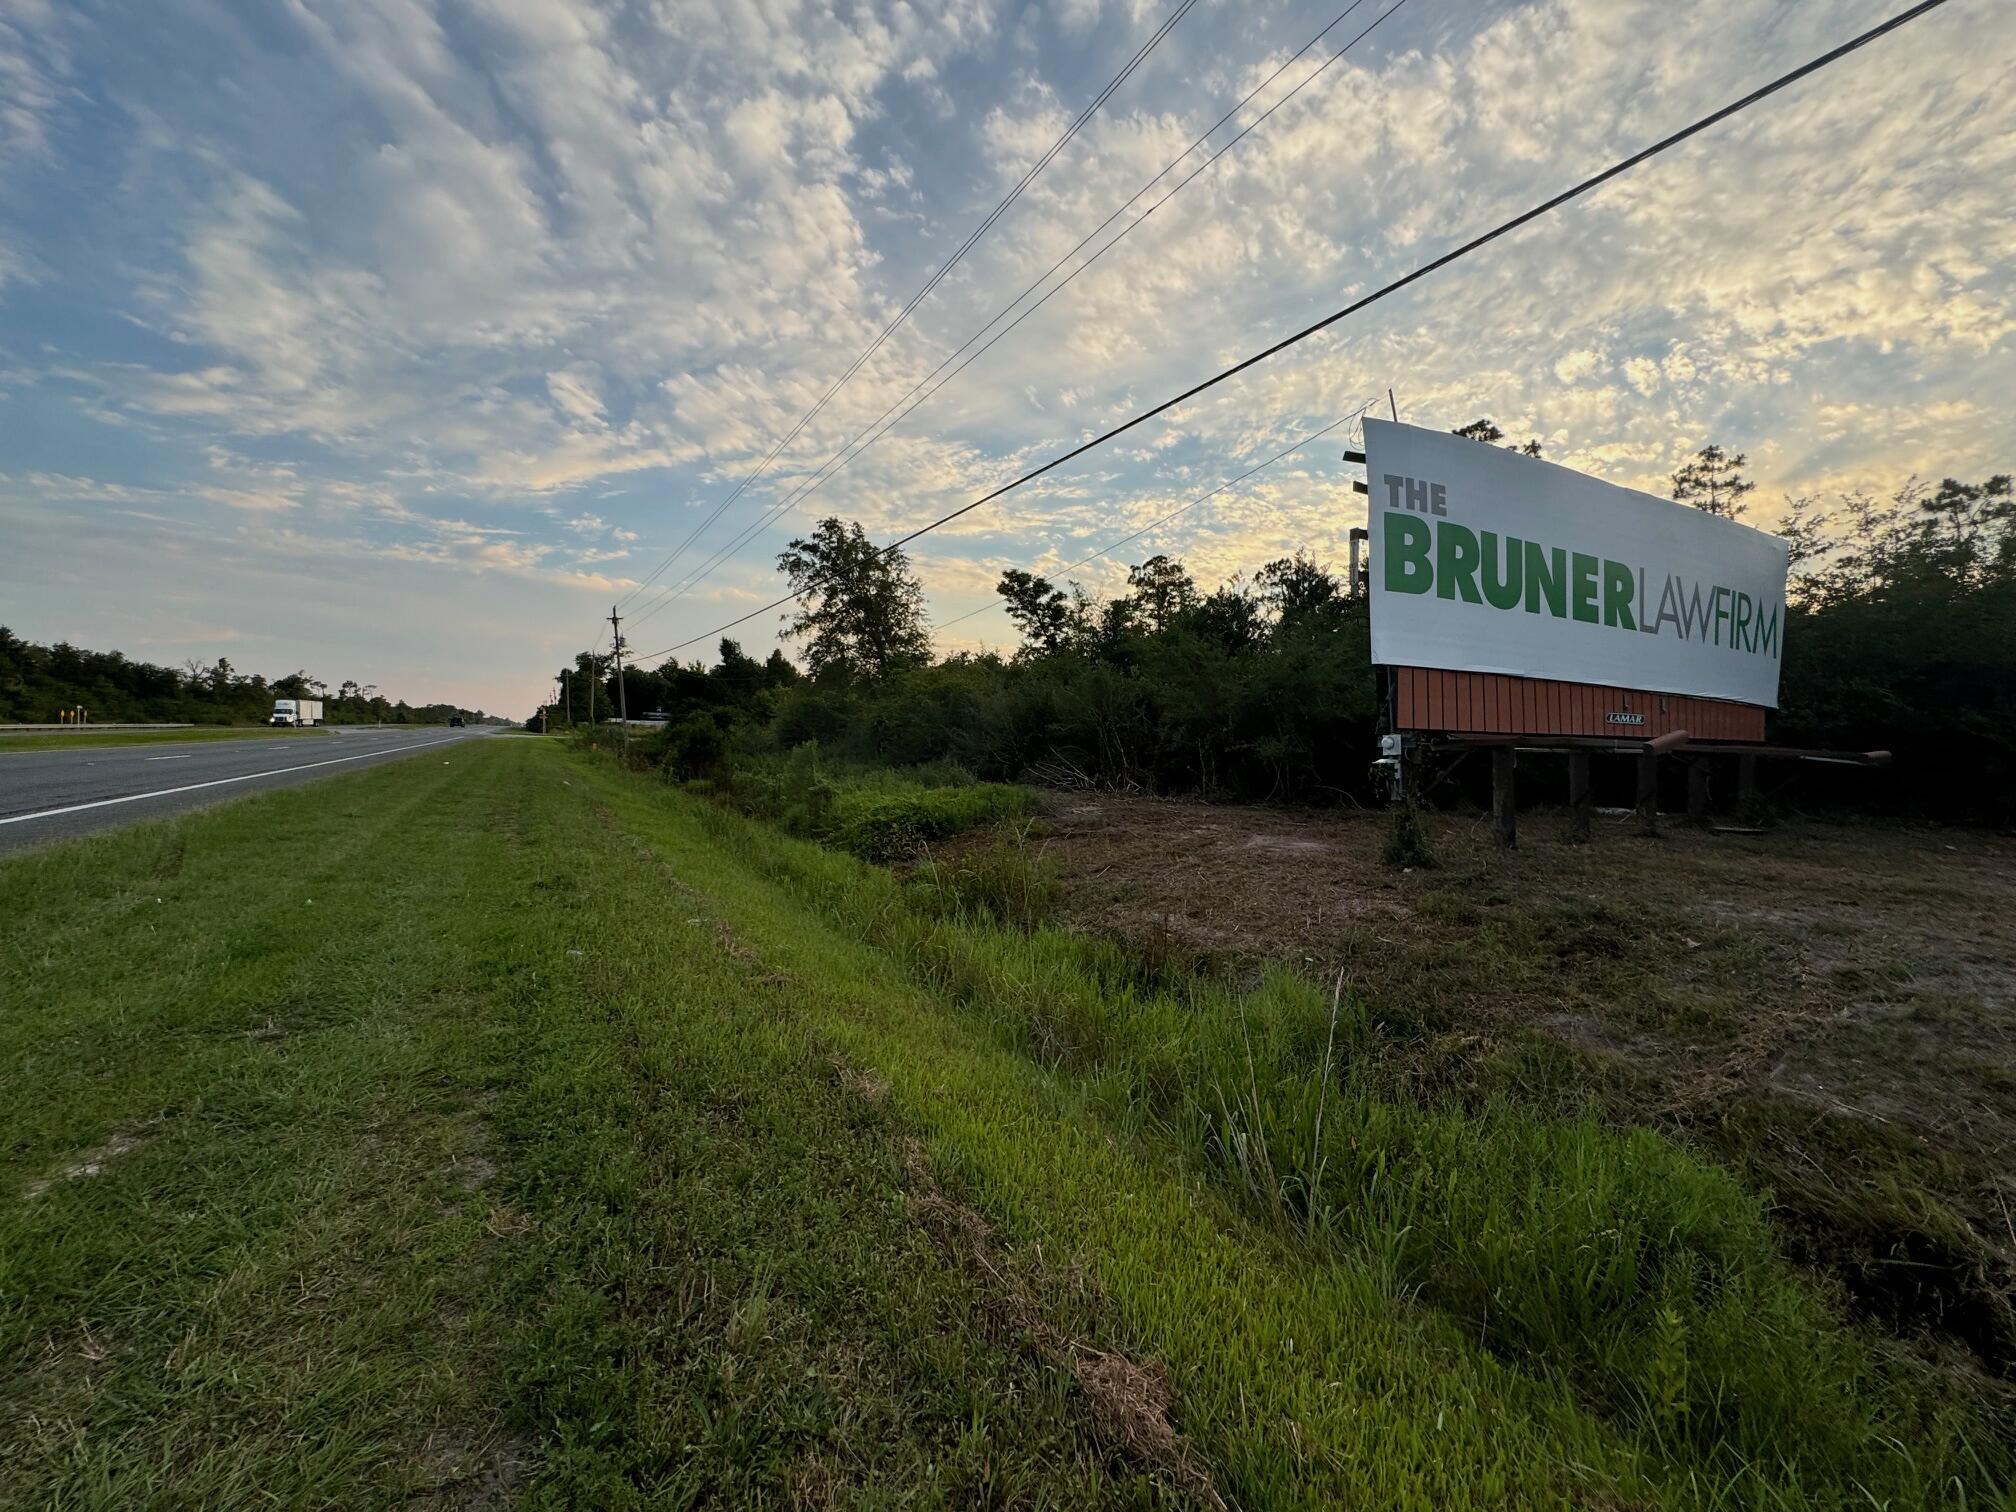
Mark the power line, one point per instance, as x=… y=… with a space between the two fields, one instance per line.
x=1085 y=115
x=1622 y=165
x=853 y=449
x=1203 y=498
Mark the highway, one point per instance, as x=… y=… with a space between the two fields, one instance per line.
x=57 y=795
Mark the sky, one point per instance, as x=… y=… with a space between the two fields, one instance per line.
x=397 y=340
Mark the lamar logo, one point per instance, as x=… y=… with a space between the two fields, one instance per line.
x=1624 y=719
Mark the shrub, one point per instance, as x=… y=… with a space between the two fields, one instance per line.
x=1006 y=881
x=890 y=826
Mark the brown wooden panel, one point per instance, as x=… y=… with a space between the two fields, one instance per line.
x=1428 y=698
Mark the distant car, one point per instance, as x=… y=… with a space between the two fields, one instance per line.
x=454 y=721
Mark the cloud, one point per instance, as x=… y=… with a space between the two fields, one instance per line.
x=429 y=269
x=34 y=65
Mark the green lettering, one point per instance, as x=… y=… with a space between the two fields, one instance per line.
x=1546 y=577
x=1617 y=586
x=1456 y=562
x=1585 y=587
x=1741 y=635
x=1767 y=630
x=1501 y=579
x=1407 y=546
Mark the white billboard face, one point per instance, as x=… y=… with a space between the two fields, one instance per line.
x=1487 y=561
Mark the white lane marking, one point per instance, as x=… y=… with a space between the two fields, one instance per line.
x=78 y=808
x=186 y=756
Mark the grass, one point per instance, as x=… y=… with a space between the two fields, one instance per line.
x=877 y=813
x=583 y=1143
x=1824 y=1012
x=66 y=740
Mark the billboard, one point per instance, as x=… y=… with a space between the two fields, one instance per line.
x=1484 y=560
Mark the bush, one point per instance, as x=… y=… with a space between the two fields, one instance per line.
x=695 y=748
x=1407 y=839
x=1005 y=881
x=891 y=826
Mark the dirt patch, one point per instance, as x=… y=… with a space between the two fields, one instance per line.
x=869 y=1086
x=89 y=1163
x=506 y=1222
x=472 y=1472
x=1131 y=1403
x=731 y=945
x=1831 y=1009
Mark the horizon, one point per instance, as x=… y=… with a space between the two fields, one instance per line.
x=396 y=344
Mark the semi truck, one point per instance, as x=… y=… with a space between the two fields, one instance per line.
x=296 y=711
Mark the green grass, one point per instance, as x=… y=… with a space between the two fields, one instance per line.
x=415 y=1183
x=67 y=740
x=891 y=826
x=555 y=1150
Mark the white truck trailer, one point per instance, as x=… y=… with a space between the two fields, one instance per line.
x=296 y=711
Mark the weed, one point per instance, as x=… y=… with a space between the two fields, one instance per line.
x=1407 y=839
x=1006 y=880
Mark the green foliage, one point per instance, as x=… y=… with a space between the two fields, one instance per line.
x=1903 y=638
x=860 y=609
x=693 y=749
x=1613 y=1264
x=1040 y=610
x=891 y=826
x=1007 y=881
x=1487 y=430
x=37 y=681
x=1407 y=839
x=1714 y=483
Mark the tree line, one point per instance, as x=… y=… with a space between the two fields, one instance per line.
x=38 y=681
x=1900 y=635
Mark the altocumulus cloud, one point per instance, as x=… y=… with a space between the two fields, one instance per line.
x=373 y=304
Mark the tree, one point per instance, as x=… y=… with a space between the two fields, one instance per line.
x=860 y=609
x=778 y=671
x=1039 y=608
x=740 y=672
x=1297 y=590
x=1714 y=482
x=1485 y=430
x=1162 y=590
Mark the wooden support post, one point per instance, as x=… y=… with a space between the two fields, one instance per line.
x=1648 y=791
x=1746 y=787
x=1697 y=791
x=1504 y=802
x=1579 y=808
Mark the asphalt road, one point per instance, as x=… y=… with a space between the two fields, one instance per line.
x=56 y=795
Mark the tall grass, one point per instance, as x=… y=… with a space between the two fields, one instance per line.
x=1637 y=1276
x=876 y=813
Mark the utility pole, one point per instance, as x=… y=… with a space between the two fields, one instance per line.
x=622 y=694
x=566 y=698
x=594 y=677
